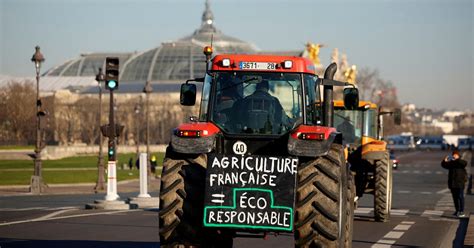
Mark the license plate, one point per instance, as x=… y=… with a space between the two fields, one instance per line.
x=257 y=66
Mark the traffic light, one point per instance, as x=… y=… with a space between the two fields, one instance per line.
x=111 y=150
x=111 y=73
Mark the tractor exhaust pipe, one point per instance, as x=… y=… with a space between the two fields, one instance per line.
x=328 y=116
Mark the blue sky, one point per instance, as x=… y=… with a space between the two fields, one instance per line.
x=425 y=46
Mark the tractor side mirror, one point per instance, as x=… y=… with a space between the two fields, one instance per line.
x=188 y=94
x=351 y=98
x=397 y=116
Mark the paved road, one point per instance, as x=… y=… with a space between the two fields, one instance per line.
x=421 y=217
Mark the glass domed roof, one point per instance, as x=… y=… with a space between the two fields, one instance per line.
x=182 y=59
x=85 y=66
x=164 y=66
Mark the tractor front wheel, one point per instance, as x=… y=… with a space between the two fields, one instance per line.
x=383 y=189
x=182 y=203
x=322 y=214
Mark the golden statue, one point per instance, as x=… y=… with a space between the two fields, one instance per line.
x=313 y=51
x=351 y=74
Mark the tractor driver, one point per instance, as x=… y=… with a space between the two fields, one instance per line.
x=226 y=98
x=260 y=112
x=347 y=130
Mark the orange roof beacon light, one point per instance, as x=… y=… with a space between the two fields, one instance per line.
x=208 y=52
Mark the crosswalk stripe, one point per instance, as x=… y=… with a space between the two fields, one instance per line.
x=399 y=212
x=432 y=213
x=438 y=212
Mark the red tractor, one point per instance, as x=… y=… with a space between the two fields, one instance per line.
x=262 y=157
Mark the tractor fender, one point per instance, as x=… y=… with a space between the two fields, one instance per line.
x=193 y=145
x=374 y=155
x=312 y=148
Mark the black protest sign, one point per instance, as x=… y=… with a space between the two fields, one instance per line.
x=250 y=192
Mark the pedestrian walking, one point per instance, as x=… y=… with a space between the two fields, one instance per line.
x=137 y=163
x=457 y=178
x=153 y=164
x=130 y=163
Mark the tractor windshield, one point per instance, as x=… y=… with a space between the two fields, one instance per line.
x=255 y=103
x=349 y=123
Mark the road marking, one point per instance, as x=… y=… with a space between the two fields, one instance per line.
x=386 y=242
x=381 y=246
x=363 y=210
x=22 y=209
x=391 y=237
x=420 y=172
x=399 y=212
x=432 y=213
x=404 y=192
x=402 y=227
x=67 y=217
x=443 y=191
x=426 y=193
x=51 y=215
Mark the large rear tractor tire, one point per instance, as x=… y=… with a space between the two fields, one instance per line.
x=182 y=203
x=383 y=189
x=321 y=218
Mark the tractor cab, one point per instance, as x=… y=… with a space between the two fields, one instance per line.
x=265 y=99
x=359 y=125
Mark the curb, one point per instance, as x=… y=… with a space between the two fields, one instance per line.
x=469 y=237
x=59 y=185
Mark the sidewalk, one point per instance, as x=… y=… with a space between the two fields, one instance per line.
x=80 y=188
x=469 y=202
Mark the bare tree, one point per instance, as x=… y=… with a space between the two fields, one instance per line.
x=17 y=111
x=87 y=114
x=375 y=89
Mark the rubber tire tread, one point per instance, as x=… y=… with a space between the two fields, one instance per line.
x=383 y=189
x=182 y=202
x=316 y=220
x=351 y=205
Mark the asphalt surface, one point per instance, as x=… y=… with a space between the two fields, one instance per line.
x=421 y=216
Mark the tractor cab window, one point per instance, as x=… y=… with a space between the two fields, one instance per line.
x=349 y=123
x=313 y=101
x=206 y=90
x=370 y=123
x=256 y=103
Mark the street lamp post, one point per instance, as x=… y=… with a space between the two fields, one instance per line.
x=148 y=89
x=37 y=185
x=100 y=77
x=137 y=127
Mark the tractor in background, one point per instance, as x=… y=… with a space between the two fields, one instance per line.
x=367 y=153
